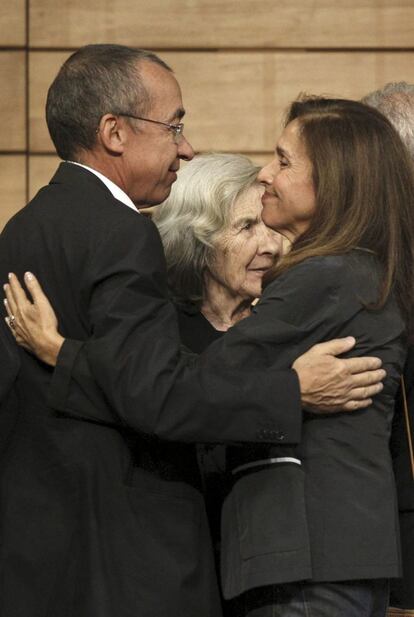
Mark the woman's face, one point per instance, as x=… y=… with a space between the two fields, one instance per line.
x=289 y=197
x=245 y=249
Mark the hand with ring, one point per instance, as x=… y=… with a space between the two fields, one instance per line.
x=33 y=323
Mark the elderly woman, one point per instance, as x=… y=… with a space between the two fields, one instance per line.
x=216 y=244
x=313 y=530
x=217 y=250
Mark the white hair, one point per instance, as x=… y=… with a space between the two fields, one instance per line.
x=396 y=102
x=196 y=211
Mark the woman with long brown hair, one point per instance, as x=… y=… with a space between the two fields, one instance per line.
x=341 y=190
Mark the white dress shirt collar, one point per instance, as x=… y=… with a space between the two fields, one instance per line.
x=116 y=191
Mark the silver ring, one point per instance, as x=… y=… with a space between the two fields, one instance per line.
x=12 y=319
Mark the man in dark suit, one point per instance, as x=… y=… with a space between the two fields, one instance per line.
x=396 y=102
x=11 y=363
x=101 y=513
x=9 y=370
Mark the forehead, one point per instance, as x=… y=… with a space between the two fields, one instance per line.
x=248 y=204
x=291 y=140
x=162 y=86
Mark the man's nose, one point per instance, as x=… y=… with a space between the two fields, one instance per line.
x=185 y=149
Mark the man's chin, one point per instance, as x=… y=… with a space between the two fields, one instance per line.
x=163 y=196
x=156 y=199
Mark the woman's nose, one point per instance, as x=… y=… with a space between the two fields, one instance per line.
x=265 y=175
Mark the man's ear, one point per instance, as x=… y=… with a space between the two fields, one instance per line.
x=112 y=133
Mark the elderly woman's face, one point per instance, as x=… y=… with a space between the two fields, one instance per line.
x=289 y=197
x=246 y=248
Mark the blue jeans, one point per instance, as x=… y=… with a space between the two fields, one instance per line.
x=367 y=598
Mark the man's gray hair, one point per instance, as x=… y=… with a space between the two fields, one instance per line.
x=396 y=101
x=196 y=212
x=94 y=81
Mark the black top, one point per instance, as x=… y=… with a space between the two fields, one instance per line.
x=196 y=332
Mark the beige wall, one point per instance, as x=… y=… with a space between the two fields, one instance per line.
x=239 y=63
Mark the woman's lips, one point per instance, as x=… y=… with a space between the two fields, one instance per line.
x=260 y=271
x=268 y=196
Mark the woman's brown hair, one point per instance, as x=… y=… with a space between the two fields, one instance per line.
x=363 y=179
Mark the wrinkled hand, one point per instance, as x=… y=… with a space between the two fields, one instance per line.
x=33 y=324
x=329 y=384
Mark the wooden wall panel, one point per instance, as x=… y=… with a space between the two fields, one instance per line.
x=12 y=22
x=12 y=101
x=12 y=185
x=240 y=62
x=260 y=158
x=218 y=24
x=235 y=100
x=41 y=170
x=43 y=67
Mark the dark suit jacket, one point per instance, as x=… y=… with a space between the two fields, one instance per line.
x=98 y=520
x=10 y=362
x=10 y=365
x=334 y=517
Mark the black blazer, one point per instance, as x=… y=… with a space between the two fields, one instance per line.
x=98 y=520
x=10 y=366
x=10 y=362
x=334 y=517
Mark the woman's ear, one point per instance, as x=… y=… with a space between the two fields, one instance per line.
x=112 y=133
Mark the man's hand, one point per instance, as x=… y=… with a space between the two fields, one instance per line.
x=329 y=384
x=33 y=324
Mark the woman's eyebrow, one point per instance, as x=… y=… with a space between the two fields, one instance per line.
x=282 y=152
x=243 y=220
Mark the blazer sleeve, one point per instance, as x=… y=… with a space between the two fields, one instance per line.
x=306 y=305
x=133 y=371
x=320 y=299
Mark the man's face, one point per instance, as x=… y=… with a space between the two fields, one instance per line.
x=152 y=156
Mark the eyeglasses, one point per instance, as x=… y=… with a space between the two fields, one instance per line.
x=177 y=129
